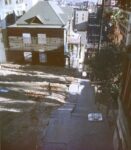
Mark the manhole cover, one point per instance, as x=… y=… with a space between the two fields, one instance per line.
x=55 y=146
x=95 y=117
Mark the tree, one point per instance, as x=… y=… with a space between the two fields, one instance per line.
x=106 y=69
x=111 y=19
x=105 y=66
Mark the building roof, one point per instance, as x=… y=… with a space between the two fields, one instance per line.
x=46 y=13
x=35 y=26
x=68 y=11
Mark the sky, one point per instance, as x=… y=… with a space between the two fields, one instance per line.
x=93 y=1
x=84 y=0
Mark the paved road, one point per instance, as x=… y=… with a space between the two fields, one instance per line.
x=69 y=127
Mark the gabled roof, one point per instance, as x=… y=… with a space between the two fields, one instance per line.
x=46 y=13
x=34 y=20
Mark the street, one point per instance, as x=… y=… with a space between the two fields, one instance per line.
x=75 y=125
x=28 y=95
x=69 y=127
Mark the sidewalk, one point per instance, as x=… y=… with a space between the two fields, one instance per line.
x=69 y=127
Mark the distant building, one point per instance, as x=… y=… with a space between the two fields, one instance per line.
x=80 y=19
x=93 y=29
x=61 y=2
x=82 y=5
x=107 y=3
x=40 y=35
x=11 y=10
x=92 y=7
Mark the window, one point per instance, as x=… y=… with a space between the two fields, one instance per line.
x=41 y=38
x=28 y=56
x=82 y=17
x=42 y=58
x=77 y=21
x=17 y=13
x=19 y=1
x=7 y=2
x=26 y=38
x=20 y=13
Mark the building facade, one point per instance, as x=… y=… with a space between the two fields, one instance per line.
x=80 y=19
x=93 y=29
x=40 y=35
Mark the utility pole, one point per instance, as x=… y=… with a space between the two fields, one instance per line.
x=101 y=24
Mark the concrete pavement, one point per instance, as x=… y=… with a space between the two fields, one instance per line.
x=69 y=127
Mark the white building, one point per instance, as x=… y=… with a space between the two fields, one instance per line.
x=18 y=7
x=81 y=18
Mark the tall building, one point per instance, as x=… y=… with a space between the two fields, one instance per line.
x=81 y=19
x=93 y=29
